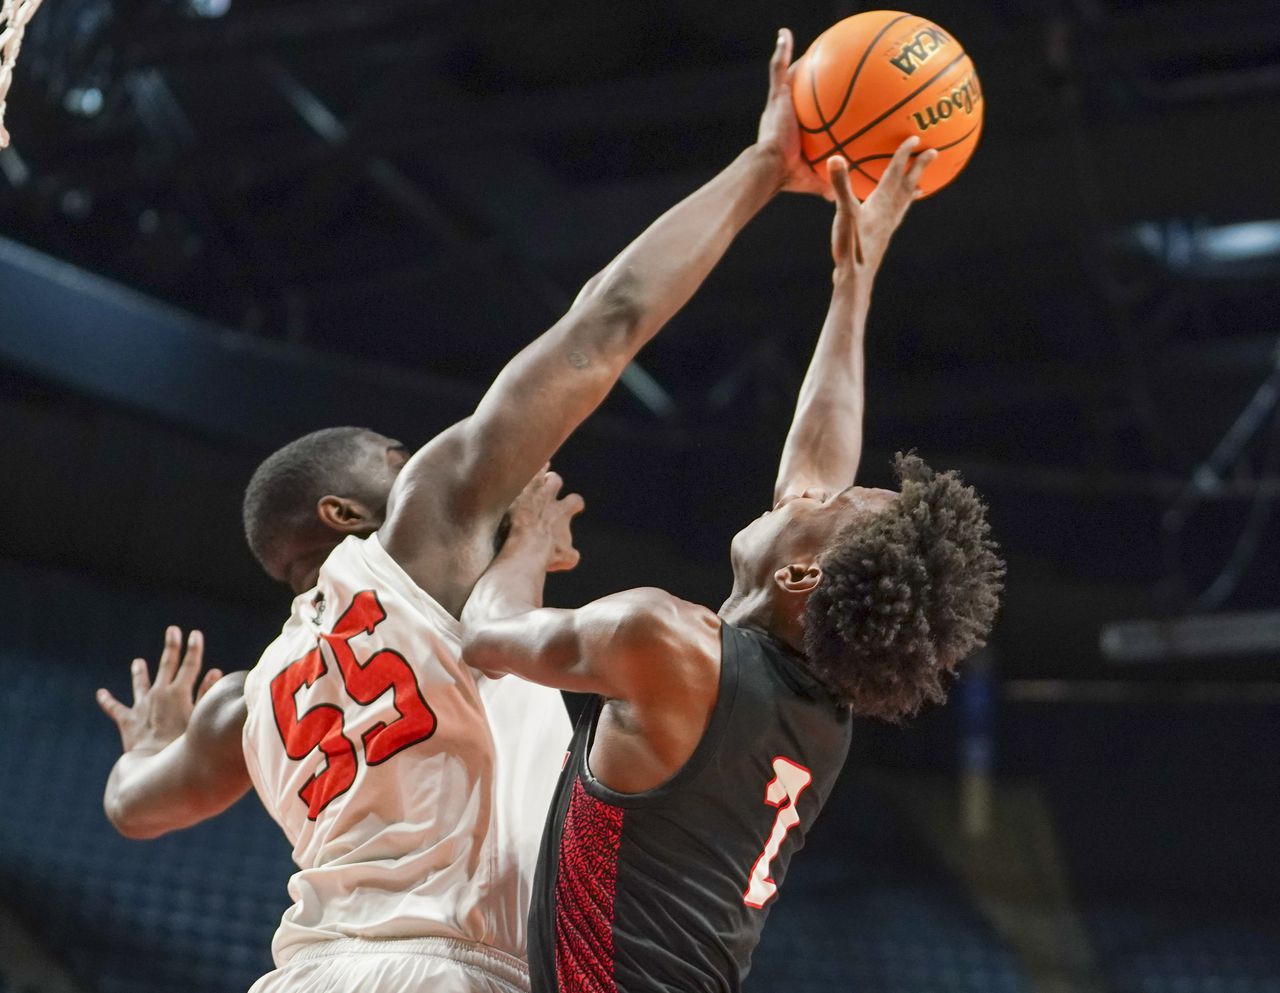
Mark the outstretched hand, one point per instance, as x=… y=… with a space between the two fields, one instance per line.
x=779 y=129
x=862 y=231
x=540 y=514
x=161 y=710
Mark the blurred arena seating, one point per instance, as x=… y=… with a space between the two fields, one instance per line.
x=1168 y=905
x=189 y=912
x=194 y=911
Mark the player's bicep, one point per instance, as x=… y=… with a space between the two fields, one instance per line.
x=823 y=448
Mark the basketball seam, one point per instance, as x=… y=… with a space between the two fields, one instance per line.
x=817 y=106
x=853 y=80
x=825 y=125
x=862 y=172
x=842 y=145
x=936 y=148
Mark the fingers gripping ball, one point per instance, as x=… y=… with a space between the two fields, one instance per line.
x=875 y=79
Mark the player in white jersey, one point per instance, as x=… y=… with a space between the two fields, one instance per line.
x=420 y=818
x=412 y=788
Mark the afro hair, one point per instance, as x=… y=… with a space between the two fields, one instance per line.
x=905 y=596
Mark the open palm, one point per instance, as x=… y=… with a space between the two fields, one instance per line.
x=161 y=710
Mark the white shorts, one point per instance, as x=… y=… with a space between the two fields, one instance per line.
x=401 y=965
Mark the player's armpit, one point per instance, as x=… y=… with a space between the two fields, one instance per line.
x=197 y=776
x=628 y=646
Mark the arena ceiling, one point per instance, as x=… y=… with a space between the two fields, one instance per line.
x=426 y=184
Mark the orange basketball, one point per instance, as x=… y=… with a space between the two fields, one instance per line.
x=875 y=79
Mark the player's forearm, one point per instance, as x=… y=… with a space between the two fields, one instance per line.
x=658 y=272
x=513 y=583
x=544 y=645
x=546 y=391
x=533 y=642
x=505 y=628
x=824 y=444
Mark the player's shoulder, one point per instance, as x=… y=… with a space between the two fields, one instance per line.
x=654 y=605
x=662 y=648
x=648 y=617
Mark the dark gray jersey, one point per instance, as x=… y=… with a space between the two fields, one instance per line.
x=667 y=891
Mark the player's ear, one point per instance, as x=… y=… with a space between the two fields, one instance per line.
x=345 y=514
x=799 y=577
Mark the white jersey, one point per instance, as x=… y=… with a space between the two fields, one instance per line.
x=413 y=789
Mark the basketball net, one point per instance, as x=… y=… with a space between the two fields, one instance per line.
x=14 y=15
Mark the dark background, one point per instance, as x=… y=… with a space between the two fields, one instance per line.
x=224 y=231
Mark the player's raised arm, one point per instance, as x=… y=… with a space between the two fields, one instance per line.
x=182 y=762
x=627 y=646
x=465 y=479
x=824 y=444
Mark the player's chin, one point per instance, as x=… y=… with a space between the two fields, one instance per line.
x=567 y=564
x=744 y=541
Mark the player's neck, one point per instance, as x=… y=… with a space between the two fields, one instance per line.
x=759 y=610
x=304 y=571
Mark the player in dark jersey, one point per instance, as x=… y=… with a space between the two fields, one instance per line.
x=714 y=738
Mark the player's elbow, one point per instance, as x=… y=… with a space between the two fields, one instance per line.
x=128 y=816
x=614 y=302
x=125 y=821
x=480 y=651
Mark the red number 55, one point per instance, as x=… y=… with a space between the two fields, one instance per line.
x=323 y=726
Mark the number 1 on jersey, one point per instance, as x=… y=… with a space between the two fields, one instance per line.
x=789 y=780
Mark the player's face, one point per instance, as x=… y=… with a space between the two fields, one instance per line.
x=384 y=458
x=799 y=527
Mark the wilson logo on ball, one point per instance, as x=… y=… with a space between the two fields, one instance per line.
x=871 y=81
x=963 y=99
x=919 y=51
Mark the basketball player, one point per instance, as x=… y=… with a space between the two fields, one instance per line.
x=413 y=789
x=714 y=738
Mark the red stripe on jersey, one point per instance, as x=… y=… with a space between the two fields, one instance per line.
x=585 y=888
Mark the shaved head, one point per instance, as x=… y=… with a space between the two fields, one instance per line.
x=280 y=517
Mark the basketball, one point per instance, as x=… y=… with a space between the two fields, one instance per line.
x=875 y=79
